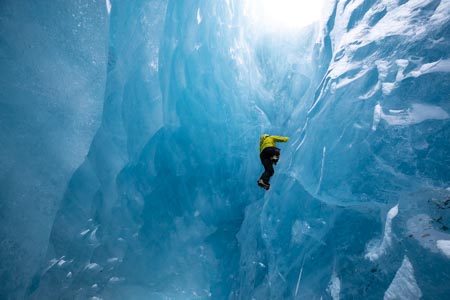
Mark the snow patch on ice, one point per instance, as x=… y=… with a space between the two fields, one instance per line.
x=418 y=113
x=437 y=66
x=441 y=15
x=334 y=287
x=377 y=111
x=404 y=285
x=93 y=267
x=444 y=246
x=199 y=16
x=113 y=259
x=61 y=262
x=108 y=6
x=116 y=279
x=374 y=249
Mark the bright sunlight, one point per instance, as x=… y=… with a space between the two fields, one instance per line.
x=286 y=14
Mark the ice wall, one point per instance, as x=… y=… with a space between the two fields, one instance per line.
x=53 y=58
x=165 y=204
x=365 y=194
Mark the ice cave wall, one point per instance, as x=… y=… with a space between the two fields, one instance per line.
x=53 y=57
x=165 y=204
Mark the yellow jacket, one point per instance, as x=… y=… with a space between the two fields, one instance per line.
x=270 y=141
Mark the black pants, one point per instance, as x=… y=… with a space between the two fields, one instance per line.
x=266 y=159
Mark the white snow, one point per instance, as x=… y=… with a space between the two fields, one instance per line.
x=92 y=266
x=199 y=16
x=375 y=250
x=334 y=287
x=387 y=87
x=437 y=66
x=404 y=285
x=418 y=113
x=108 y=6
x=377 y=111
x=116 y=279
x=444 y=247
x=441 y=15
x=61 y=262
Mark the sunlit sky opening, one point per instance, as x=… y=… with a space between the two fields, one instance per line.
x=286 y=14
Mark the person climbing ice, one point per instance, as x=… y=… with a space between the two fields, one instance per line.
x=269 y=155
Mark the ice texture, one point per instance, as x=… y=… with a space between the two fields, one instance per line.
x=130 y=151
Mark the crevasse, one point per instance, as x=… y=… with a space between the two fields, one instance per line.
x=130 y=151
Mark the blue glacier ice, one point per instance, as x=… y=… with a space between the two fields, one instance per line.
x=130 y=138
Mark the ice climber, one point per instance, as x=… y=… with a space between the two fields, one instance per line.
x=269 y=155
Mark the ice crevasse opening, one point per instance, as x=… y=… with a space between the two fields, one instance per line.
x=130 y=149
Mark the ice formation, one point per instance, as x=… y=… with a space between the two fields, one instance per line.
x=130 y=138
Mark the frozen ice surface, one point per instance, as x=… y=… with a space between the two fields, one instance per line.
x=129 y=155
